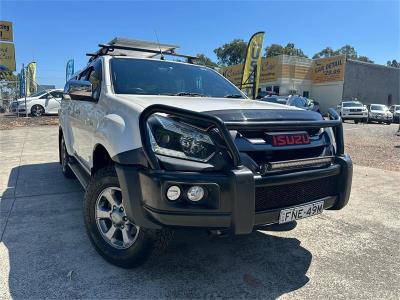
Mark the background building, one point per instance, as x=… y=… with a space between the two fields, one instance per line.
x=327 y=80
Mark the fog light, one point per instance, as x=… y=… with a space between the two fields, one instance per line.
x=173 y=192
x=195 y=193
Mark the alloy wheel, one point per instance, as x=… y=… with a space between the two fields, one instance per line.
x=112 y=221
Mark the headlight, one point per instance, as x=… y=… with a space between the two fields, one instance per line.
x=171 y=138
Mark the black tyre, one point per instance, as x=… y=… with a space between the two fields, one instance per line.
x=355 y=121
x=65 y=159
x=113 y=235
x=37 y=110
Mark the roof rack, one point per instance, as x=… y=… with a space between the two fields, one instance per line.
x=135 y=48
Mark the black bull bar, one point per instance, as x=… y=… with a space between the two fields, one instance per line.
x=209 y=121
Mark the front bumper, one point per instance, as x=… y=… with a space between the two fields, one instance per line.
x=233 y=198
x=381 y=118
x=354 y=115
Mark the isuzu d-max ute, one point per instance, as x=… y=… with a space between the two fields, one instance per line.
x=160 y=145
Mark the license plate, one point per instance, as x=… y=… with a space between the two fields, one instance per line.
x=301 y=212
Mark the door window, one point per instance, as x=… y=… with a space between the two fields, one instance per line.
x=95 y=77
x=56 y=94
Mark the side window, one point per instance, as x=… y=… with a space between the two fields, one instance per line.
x=95 y=77
x=83 y=75
x=44 y=96
x=57 y=94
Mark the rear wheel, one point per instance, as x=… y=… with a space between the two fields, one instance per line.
x=356 y=121
x=37 y=110
x=117 y=238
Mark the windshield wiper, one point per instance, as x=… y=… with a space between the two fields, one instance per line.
x=188 y=94
x=233 y=96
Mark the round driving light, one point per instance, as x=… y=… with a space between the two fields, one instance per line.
x=195 y=193
x=173 y=192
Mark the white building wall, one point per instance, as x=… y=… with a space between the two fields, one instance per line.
x=327 y=94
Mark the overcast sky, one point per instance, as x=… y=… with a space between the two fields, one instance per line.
x=51 y=32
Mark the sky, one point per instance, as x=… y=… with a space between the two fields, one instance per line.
x=51 y=32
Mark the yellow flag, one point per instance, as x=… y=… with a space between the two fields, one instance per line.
x=250 y=79
x=31 y=86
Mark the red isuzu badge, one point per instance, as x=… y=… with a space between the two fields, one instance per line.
x=289 y=139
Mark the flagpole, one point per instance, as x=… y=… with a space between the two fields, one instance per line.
x=25 y=83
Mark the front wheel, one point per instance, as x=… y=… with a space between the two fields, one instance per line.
x=115 y=237
x=355 y=121
x=37 y=110
x=65 y=159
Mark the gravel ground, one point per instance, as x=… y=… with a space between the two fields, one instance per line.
x=11 y=121
x=373 y=145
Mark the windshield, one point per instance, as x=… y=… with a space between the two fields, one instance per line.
x=37 y=94
x=152 y=77
x=352 y=104
x=378 y=107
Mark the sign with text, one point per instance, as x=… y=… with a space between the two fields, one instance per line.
x=329 y=69
x=6 y=31
x=7 y=57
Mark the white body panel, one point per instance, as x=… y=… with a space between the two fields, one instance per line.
x=113 y=121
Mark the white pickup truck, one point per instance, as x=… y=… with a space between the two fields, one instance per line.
x=161 y=145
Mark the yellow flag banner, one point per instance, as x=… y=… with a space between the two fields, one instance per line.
x=251 y=79
x=31 y=86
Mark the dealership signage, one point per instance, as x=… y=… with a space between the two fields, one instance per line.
x=329 y=69
x=7 y=57
x=7 y=51
x=6 y=31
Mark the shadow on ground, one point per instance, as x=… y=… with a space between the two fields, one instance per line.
x=50 y=255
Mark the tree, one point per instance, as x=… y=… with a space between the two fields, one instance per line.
x=289 y=49
x=327 y=52
x=365 y=59
x=231 y=53
x=273 y=50
x=347 y=50
x=394 y=63
x=205 y=61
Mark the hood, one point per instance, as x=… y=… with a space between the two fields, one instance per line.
x=230 y=109
x=380 y=112
x=201 y=104
x=27 y=99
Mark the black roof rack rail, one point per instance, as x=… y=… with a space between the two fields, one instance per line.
x=107 y=48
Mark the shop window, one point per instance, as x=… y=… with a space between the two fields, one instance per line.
x=276 y=89
x=268 y=88
x=306 y=94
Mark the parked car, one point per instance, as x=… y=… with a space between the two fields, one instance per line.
x=395 y=110
x=304 y=103
x=379 y=113
x=274 y=99
x=353 y=110
x=43 y=102
x=161 y=144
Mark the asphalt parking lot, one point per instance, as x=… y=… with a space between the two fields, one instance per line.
x=45 y=253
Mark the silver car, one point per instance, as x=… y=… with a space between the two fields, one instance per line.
x=379 y=113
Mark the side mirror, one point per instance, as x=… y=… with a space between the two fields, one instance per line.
x=78 y=90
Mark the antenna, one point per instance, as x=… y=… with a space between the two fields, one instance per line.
x=158 y=42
